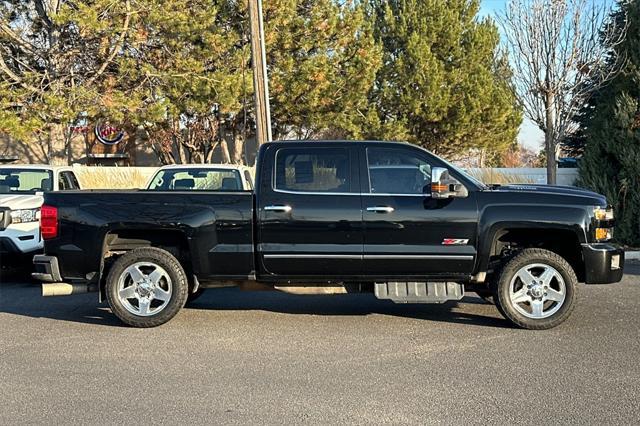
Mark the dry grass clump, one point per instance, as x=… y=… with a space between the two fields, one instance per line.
x=112 y=177
x=490 y=176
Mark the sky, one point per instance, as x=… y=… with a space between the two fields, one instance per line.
x=530 y=135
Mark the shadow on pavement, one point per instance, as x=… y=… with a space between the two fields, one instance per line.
x=26 y=300
x=344 y=304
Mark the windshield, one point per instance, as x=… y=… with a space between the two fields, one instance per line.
x=196 y=180
x=25 y=181
x=465 y=174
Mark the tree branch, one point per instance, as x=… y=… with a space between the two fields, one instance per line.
x=16 y=79
x=118 y=44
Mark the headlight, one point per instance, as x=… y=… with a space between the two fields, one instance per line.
x=26 y=215
x=603 y=213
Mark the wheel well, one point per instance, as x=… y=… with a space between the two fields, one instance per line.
x=118 y=242
x=563 y=242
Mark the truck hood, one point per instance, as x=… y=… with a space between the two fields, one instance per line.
x=590 y=196
x=21 y=201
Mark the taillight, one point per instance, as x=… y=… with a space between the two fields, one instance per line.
x=48 y=222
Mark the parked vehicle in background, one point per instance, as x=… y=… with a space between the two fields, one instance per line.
x=21 y=195
x=568 y=162
x=384 y=217
x=202 y=177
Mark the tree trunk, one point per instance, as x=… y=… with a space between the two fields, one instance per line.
x=224 y=149
x=549 y=139
x=179 y=150
x=238 y=148
x=57 y=145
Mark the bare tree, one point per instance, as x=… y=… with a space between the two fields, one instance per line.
x=561 y=52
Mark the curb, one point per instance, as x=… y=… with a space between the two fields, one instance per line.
x=632 y=255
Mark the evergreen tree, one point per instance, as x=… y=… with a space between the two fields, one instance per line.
x=611 y=162
x=322 y=61
x=443 y=84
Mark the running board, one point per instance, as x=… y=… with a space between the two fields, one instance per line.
x=419 y=292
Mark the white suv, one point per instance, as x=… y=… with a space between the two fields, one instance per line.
x=21 y=189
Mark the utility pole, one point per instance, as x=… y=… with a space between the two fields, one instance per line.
x=260 y=78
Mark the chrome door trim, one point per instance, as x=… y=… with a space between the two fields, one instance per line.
x=313 y=256
x=369 y=256
x=418 y=256
x=359 y=194
x=286 y=191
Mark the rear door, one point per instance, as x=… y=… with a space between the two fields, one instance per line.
x=310 y=214
x=406 y=232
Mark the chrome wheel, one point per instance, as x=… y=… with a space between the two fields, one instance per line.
x=537 y=291
x=144 y=289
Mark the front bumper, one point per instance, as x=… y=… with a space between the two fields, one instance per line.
x=19 y=238
x=603 y=262
x=46 y=268
x=10 y=250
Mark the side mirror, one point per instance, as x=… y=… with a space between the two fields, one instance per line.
x=445 y=186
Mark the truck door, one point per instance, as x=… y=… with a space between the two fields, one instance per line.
x=406 y=232
x=310 y=212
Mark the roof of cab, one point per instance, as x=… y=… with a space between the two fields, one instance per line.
x=203 y=166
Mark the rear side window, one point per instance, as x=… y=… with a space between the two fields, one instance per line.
x=248 y=179
x=67 y=181
x=73 y=181
x=313 y=170
x=62 y=183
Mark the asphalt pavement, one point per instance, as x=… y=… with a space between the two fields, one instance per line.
x=271 y=358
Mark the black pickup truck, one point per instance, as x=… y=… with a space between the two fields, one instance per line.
x=383 y=217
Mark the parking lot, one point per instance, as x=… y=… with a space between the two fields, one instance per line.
x=262 y=357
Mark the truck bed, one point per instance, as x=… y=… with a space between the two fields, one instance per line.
x=214 y=227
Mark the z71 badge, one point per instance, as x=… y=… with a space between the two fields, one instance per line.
x=454 y=241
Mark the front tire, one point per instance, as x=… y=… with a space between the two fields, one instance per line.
x=536 y=289
x=146 y=287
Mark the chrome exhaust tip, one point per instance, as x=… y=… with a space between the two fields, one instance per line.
x=65 y=289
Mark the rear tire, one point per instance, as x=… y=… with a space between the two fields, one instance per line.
x=146 y=287
x=536 y=289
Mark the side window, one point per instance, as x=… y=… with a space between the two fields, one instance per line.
x=73 y=181
x=248 y=179
x=313 y=170
x=67 y=181
x=397 y=171
x=62 y=182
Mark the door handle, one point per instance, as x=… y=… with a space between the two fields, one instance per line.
x=380 y=209
x=278 y=208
